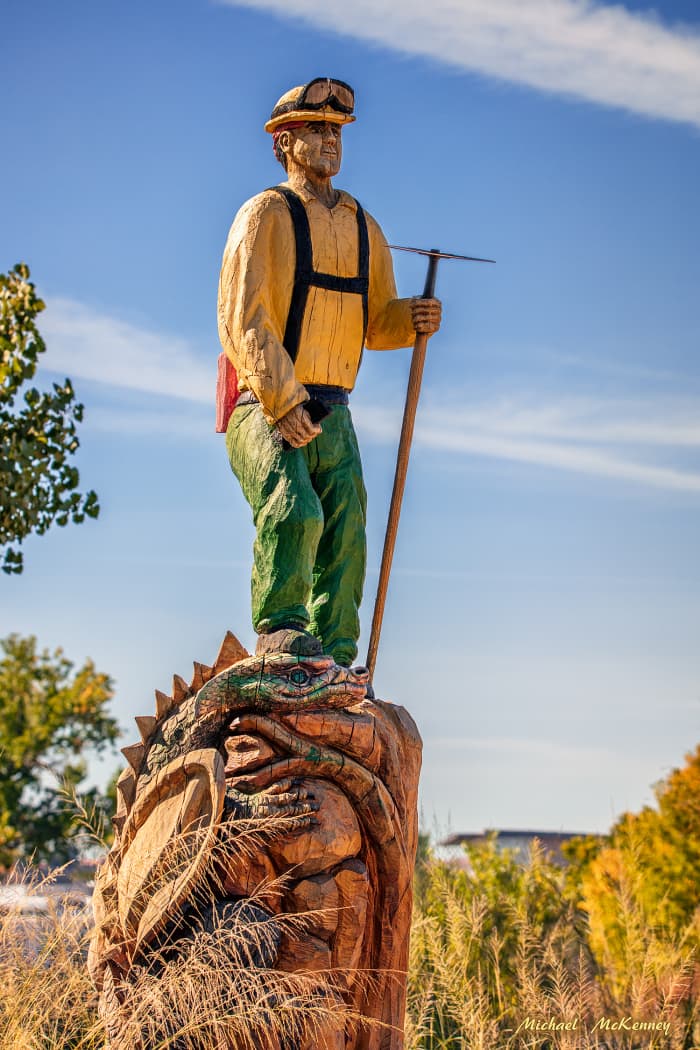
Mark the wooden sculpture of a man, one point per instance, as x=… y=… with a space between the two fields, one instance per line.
x=306 y=282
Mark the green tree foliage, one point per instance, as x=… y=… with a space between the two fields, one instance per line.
x=503 y=937
x=677 y=868
x=49 y=716
x=661 y=841
x=38 y=483
x=640 y=885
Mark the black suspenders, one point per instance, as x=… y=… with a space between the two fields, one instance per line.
x=306 y=277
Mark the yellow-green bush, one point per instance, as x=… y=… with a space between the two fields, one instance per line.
x=502 y=946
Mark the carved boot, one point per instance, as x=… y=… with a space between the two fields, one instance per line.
x=289 y=639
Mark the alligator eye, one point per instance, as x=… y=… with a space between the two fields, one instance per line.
x=299 y=676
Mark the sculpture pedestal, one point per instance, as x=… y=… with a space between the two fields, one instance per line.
x=270 y=808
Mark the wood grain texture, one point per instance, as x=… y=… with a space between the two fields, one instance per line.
x=318 y=895
x=308 y=812
x=335 y=837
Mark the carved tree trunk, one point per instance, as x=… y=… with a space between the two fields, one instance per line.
x=269 y=789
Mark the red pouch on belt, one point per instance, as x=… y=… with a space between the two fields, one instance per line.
x=226 y=393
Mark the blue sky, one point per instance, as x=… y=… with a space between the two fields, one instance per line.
x=542 y=624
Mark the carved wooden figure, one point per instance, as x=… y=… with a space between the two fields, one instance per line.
x=285 y=741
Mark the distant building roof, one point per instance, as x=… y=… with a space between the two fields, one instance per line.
x=511 y=833
x=517 y=839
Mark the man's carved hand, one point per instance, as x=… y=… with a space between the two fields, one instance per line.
x=297 y=427
x=426 y=315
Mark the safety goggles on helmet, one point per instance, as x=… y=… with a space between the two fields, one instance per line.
x=318 y=94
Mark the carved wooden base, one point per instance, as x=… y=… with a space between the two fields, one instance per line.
x=270 y=808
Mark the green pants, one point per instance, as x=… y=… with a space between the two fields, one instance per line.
x=309 y=510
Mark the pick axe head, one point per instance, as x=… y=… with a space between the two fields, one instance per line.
x=435 y=255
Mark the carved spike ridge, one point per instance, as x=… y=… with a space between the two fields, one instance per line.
x=231 y=652
x=202 y=674
x=180 y=688
x=126 y=791
x=146 y=724
x=134 y=755
x=164 y=704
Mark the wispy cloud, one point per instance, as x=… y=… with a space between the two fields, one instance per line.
x=639 y=440
x=598 y=52
x=671 y=422
x=599 y=437
x=577 y=459
x=86 y=343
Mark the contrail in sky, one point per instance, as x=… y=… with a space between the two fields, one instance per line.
x=598 y=52
x=644 y=441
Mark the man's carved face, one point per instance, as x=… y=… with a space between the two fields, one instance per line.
x=316 y=147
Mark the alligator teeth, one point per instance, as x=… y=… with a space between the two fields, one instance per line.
x=180 y=688
x=164 y=704
x=146 y=724
x=231 y=652
x=202 y=674
x=134 y=755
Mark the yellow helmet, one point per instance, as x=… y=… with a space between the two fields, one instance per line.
x=320 y=99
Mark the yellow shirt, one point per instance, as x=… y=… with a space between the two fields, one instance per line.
x=255 y=290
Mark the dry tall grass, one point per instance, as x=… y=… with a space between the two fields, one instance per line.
x=488 y=952
x=209 y=988
x=208 y=995
x=47 y=1000
x=495 y=953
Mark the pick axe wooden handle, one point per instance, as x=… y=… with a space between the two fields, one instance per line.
x=409 y=417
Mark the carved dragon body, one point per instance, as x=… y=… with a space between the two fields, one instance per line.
x=287 y=737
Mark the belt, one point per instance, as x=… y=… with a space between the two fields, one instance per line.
x=330 y=395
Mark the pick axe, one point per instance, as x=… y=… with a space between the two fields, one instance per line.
x=409 y=417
